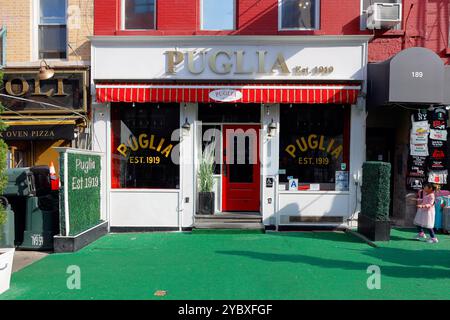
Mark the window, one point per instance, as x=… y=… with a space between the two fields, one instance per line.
x=299 y=14
x=2 y=46
x=144 y=146
x=218 y=15
x=314 y=145
x=138 y=14
x=367 y=3
x=52 y=29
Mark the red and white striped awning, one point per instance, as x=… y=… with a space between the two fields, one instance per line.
x=248 y=93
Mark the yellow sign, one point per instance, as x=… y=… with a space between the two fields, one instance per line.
x=314 y=142
x=145 y=141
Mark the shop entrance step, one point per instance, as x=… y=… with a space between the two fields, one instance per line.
x=244 y=221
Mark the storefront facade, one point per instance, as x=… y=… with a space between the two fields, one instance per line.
x=413 y=138
x=291 y=108
x=43 y=114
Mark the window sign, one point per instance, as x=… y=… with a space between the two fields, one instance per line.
x=312 y=144
x=52 y=33
x=145 y=146
x=218 y=15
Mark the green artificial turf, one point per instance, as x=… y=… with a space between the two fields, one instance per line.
x=284 y=265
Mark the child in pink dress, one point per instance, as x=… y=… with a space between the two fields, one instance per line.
x=425 y=214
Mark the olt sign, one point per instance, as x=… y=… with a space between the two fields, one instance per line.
x=66 y=89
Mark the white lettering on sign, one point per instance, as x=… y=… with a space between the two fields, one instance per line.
x=80 y=183
x=85 y=166
x=417 y=74
x=37 y=240
x=225 y=95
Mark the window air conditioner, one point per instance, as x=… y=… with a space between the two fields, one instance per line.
x=384 y=15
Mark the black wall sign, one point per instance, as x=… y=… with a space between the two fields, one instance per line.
x=66 y=89
x=45 y=132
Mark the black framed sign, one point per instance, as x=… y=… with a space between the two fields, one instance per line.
x=39 y=132
x=66 y=90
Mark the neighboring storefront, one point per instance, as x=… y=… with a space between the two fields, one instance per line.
x=43 y=114
x=407 y=124
x=291 y=108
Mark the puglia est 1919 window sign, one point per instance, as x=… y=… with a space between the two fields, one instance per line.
x=144 y=146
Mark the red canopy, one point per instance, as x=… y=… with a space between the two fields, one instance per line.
x=247 y=93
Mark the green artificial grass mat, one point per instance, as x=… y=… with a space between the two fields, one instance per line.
x=275 y=265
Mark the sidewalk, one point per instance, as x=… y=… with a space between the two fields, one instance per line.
x=288 y=265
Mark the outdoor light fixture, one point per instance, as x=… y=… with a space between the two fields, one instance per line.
x=267 y=110
x=45 y=72
x=186 y=125
x=133 y=105
x=272 y=128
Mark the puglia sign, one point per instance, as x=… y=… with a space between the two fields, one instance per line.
x=145 y=142
x=314 y=142
x=237 y=62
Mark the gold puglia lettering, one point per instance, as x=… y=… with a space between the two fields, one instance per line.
x=174 y=58
x=312 y=141
x=337 y=152
x=280 y=65
x=122 y=149
x=166 y=151
x=291 y=150
x=143 y=143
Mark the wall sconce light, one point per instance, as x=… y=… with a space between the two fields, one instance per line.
x=186 y=125
x=267 y=110
x=45 y=72
x=272 y=127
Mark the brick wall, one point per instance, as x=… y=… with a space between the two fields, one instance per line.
x=17 y=16
x=425 y=23
x=80 y=28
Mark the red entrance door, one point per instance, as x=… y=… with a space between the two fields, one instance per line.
x=241 y=168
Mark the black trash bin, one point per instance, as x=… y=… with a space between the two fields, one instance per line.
x=7 y=232
x=35 y=205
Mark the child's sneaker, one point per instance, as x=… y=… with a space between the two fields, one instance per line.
x=421 y=235
x=433 y=240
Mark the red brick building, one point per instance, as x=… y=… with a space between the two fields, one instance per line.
x=184 y=56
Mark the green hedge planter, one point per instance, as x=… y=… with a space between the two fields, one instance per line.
x=373 y=221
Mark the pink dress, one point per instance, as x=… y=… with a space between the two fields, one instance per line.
x=425 y=216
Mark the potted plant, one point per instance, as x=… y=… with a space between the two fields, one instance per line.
x=206 y=181
x=6 y=254
x=373 y=221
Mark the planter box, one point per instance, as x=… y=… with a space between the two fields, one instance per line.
x=374 y=230
x=206 y=203
x=6 y=261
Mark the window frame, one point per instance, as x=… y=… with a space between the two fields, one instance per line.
x=347 y=116
x=280 y=18
x=3 y=40
x=122 y=18
x=234 y=18
x=115 y=174
x=37 y=17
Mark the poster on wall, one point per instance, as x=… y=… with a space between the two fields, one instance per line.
x=341 y=183
x=439 y=177
x=438 y=134
x=419 y=150
x=428 y=148
x=415 y=183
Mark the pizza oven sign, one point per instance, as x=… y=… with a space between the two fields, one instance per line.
x=225 y=95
